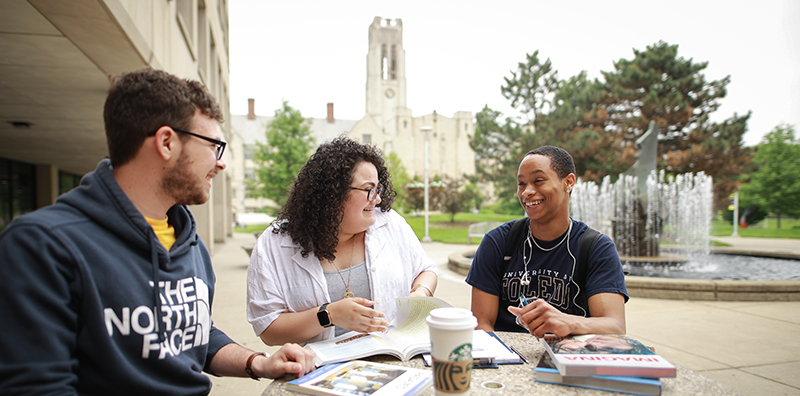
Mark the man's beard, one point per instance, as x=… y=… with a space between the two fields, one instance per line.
x=181 y=184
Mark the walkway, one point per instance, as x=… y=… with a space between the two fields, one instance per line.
x=750 y=346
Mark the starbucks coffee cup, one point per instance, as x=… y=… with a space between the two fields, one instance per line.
x=451 y=349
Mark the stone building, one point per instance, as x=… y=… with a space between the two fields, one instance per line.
x=388 y=123
x=57 y=57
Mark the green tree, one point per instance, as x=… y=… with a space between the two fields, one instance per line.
x=455 y=198
x=579 y=123
x=776 y=184
x=659 y=85
x=399 y=180
x=530 y=88
x=498 y=150
x=289 y=144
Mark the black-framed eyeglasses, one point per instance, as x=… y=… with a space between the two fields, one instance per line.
x=219 y=143
x=372 y=193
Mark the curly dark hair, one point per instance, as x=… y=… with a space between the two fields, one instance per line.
x=314 y=208
x=560 y=160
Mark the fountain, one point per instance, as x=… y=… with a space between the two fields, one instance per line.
x=644 y=209
x=661 y=226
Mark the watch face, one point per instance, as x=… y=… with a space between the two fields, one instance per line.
x=389 y=93
x=324 y=318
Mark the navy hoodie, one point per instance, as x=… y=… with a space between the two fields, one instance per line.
x=77 y=304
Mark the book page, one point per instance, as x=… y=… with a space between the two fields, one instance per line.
x=351 y=345
x=410 y=327
x=407 y=333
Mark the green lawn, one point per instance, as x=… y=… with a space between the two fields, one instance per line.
x=442 y=230
x=252 y=228
x=790 y=228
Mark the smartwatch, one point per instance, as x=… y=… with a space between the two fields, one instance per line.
x=324 y=317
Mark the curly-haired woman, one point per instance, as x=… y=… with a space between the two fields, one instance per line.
x=331 y=262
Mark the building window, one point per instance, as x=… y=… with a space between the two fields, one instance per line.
x=393 y=67
x=17 y=190
x=186 y=21
x=202 y=45
x=366 y=139
x=67 y=181
x=384 y=63
x=248 y=152
x=405 y=123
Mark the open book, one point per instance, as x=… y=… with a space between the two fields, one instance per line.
x=406 y=337
x=596 y=354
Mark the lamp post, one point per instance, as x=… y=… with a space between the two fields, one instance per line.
x=735 y=213
x=427 y=131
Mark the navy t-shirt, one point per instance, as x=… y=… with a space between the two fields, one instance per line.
x=550 y=273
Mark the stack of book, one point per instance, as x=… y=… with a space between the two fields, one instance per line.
x=615 y=363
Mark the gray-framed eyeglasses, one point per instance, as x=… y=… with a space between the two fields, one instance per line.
x=219 y=143
x=372 y=193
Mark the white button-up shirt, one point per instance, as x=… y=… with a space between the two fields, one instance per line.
x=280 y=279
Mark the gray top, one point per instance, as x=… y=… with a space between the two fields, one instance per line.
x=359 y=285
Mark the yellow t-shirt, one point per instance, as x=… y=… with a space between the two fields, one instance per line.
x=164 y=231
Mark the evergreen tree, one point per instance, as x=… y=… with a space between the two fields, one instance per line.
x=776 y=184
x=659 y=85
x=579 y=123
x=530 y=88
x=289 y=144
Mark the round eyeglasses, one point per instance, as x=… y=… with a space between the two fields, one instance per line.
x=372 y=193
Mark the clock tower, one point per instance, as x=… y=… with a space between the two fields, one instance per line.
x=386 y=75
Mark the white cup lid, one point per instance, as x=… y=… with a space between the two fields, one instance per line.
x=452 y=319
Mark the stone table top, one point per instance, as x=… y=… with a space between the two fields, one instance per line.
x=517 y=379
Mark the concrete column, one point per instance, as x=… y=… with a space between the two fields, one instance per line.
x=205 y=223
x=46 y=185
x=219 y=204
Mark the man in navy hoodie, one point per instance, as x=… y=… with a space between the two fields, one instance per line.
x=109 y=290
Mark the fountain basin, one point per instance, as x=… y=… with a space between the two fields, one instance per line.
x=685 y=289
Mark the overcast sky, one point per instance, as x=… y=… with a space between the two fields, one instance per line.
x=457 y=52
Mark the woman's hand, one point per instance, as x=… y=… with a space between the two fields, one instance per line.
x=355 y=314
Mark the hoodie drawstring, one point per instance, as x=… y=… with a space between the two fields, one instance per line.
x=156 y=295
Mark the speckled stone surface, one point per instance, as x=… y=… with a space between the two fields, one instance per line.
x=518 y=379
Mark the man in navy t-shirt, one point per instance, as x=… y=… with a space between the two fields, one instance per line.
x=543 y=266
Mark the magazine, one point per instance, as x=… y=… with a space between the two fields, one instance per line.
x=363 y=378
x=406 y=337
x=602 y=354
x=546 y=372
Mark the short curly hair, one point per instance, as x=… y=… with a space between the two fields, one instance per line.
x=560 y=160
x=314 y=208
x=141 y=101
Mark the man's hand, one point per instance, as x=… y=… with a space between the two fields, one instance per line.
x=289 y=359
x=541 y=318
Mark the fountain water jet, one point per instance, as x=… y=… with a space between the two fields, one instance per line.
x=679 y=214
x=644 y=208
